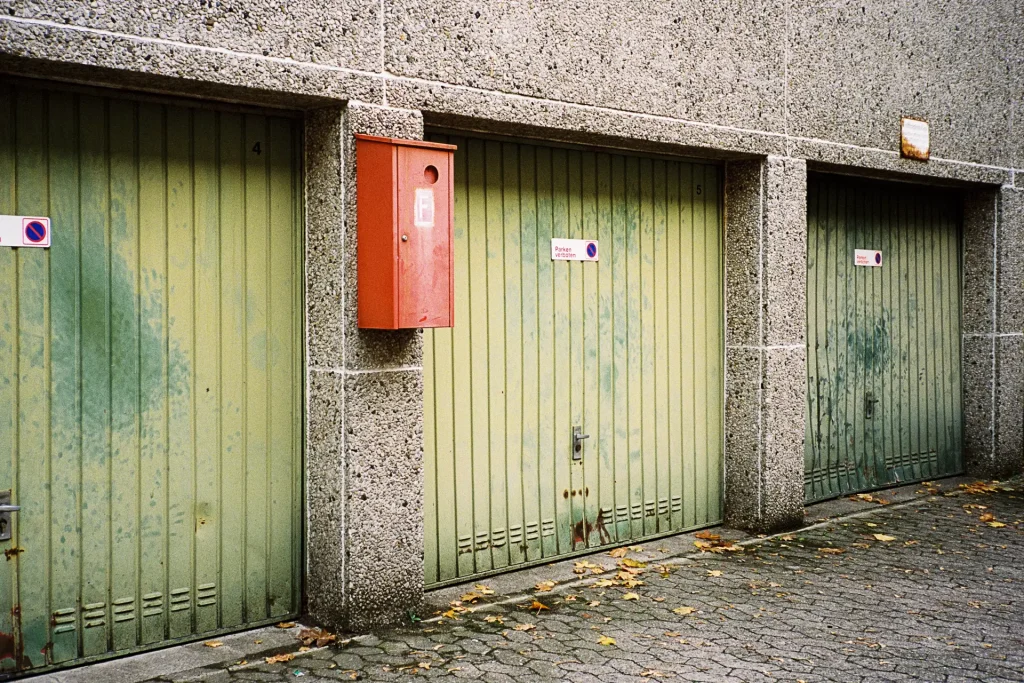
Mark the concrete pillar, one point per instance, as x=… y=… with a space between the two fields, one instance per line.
x=993 y=329
x=364 y=459
x=766 y=375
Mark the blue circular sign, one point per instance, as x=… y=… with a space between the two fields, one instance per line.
x=35 y=232
x=591 y=249
x=878 y=258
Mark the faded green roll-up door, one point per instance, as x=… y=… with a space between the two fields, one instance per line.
x=628 y=349
x=150 y=374
x=883 y=358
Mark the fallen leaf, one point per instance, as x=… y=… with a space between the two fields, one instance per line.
x=277 y=659
x=714 y=572
x=618 y=552
x=653 y=673
x=213 y=643
x=787 y=537
x=545 y=586
x=524 y=627
x=316 y=636
x=304 y=648
x=286 y=624
x=685 y=610
x=636 y=548
x=593 y=603
x=987 y=517
x=884 y=538
x=605 y=640
x=630 y=596
x=832 y=551
x=996 y=525
x=634 y=564
x=424 y=665
x=494 y=620
x=483 y=590
x=537 y=605
x=673 y=634
x=707 y=536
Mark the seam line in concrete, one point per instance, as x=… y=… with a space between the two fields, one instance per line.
x=995 y=322
x=371 y=371
x=986 y=335
x=767 y=347
x=763 y=178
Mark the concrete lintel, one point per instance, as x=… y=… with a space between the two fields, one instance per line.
x=766 y=238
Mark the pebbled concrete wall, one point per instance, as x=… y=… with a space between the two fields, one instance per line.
x=364 y=471
x=765 y=347
x=993 y=326
x=824 y=81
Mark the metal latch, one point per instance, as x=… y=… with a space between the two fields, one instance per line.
x=869 y=405
x=5 y=514
x=577 y=442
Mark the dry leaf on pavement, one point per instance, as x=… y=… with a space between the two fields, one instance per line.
x=685 y=610
x=884 y=537
x=278 y=659
x=286 y=624
x=618 y=552
x=213 y=643
x=545 y=586
x=524 y=627
x=630 y=596
x=605 y=640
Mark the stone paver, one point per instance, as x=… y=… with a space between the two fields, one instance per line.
x=941 y=601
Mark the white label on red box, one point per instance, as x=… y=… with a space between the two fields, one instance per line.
x=24 y=231
x=867 y=257
x=573 y=250
x=423 y=208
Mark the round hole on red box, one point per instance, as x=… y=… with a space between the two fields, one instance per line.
x=430 y=174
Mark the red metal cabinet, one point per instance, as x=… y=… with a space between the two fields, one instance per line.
x=404 y=207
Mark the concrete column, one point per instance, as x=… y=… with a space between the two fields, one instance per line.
x=364 y=452
x=993 y=329
x=766 y=375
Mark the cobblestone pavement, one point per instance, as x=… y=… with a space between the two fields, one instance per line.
x=926 y=591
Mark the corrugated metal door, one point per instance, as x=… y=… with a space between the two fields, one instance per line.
x=629 y=349
x=150 y=374
x=883 y=361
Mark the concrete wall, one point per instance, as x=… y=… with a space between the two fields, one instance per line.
x=771 y=86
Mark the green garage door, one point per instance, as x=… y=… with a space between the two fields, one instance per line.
x=628 y=349
x=150 y=374
x=883 y=340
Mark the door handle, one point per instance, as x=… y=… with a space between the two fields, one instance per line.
x=869 y=405
x=5 y=514
x=577 y=442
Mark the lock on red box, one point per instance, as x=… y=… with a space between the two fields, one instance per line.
x=404 y=208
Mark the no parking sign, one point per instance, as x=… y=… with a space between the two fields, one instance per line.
x=24 y=231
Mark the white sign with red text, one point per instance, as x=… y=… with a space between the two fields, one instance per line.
x=573 y=250
x=24 y=231
x=867 y=257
